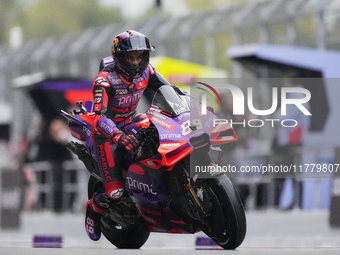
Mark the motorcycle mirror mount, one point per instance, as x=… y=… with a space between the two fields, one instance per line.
x=81 y=107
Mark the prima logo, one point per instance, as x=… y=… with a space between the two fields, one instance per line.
x=86 y=131
x=170 y=136
x=105 y=127
x=123 y=100
x=134 y=184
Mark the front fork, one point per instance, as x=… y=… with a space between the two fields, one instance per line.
x=198 y=202
x=193 y=194
x=198 y=189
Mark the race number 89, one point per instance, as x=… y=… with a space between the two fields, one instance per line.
x=185 y=126
x=90 y=225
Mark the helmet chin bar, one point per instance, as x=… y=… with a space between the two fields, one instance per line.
x=123 y=71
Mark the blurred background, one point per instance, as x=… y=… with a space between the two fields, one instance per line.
x=50 y=53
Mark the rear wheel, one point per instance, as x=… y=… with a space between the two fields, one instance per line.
x=124 y=238
x=132 y=238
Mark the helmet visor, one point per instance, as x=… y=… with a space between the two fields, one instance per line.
x=138 y=43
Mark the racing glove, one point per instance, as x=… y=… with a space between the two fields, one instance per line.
x=105 y=126
x=129 y=142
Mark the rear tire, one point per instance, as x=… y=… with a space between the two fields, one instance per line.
x=114 y=233
x=124 y=238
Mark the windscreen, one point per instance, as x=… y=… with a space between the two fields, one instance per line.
x=168 y=100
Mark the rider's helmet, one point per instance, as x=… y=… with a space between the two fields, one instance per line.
x=131 y=40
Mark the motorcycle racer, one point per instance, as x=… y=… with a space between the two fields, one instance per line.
x=117 y=90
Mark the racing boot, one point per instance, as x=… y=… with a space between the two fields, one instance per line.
x=99 y=204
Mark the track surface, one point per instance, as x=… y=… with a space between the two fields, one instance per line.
x=269 y=232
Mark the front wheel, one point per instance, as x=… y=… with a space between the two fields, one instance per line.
x=227 y=219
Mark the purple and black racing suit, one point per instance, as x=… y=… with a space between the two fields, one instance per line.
x=115 y=103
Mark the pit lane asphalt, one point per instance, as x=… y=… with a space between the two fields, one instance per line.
x=269 y=232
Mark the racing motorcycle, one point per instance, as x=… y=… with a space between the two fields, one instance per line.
x=167 y=187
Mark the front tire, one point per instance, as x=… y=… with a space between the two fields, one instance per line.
x=233 y=219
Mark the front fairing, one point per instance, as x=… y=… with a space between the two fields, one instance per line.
x=169 y=109
x=178 y=117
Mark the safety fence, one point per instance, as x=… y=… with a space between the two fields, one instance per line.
x=202 y=38
x=59 y=186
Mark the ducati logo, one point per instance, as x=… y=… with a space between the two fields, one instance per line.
x=97 y=107
x=141 y=85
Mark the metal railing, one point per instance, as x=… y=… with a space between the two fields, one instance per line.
x=59 y=187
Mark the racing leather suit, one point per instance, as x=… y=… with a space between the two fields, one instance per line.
x=115 y=103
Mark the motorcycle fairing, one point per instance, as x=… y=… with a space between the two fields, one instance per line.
x=173 y=145
x=208 y=122
x=151 y=200
x=80 y=126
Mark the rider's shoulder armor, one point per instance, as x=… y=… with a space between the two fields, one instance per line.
x=152 y=69
x=106 y=62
